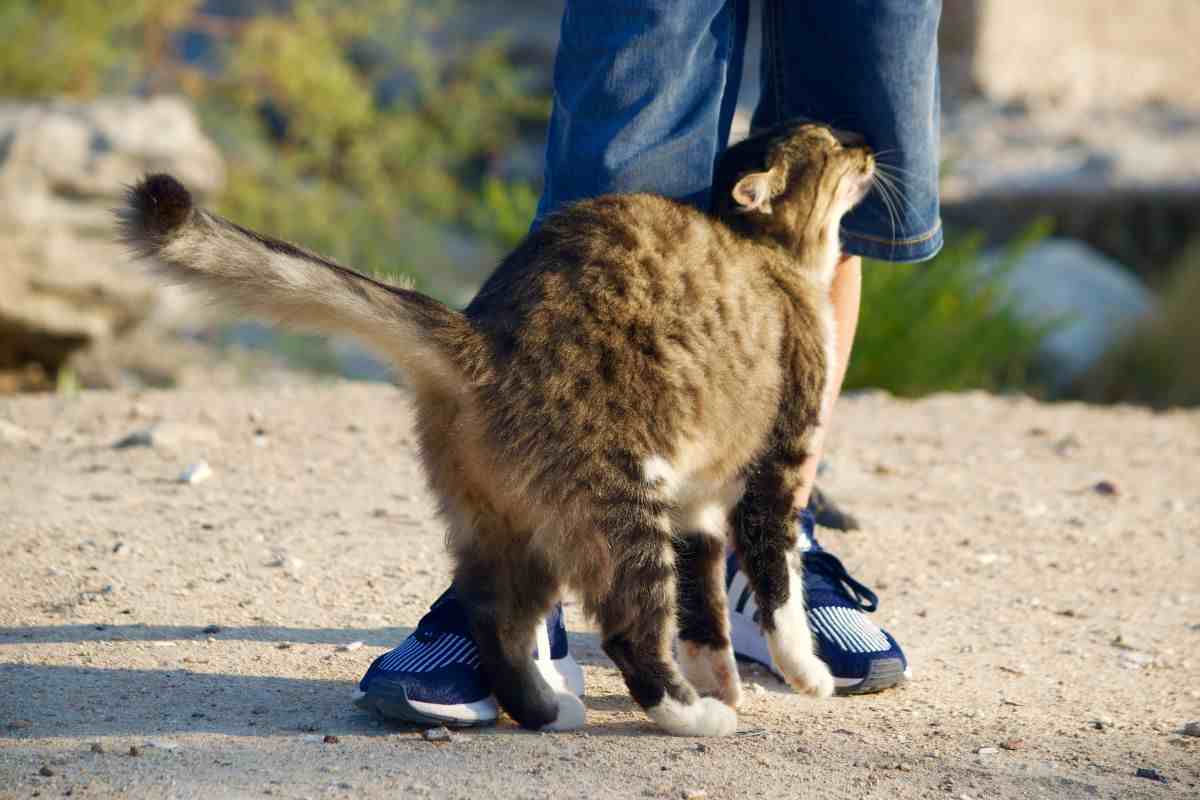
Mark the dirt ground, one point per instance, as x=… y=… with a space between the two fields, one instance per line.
x=163 y=639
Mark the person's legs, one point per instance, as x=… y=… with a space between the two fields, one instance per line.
x=644 y=95
x=871 y=68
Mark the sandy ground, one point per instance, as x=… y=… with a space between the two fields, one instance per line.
x=1052 y=627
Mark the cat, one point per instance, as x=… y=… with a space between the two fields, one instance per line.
x=635 y=384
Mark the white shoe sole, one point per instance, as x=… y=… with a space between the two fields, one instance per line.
x=563 y=675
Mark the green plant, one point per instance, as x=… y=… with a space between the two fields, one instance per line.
x=941 y=326
x=1158 y=364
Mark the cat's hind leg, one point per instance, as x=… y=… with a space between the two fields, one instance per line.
x=705 y=653
x=505 y=600
x=637 y=617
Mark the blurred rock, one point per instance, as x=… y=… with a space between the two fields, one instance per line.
x=67 y=163
x=1096 y=300
x=65 y=285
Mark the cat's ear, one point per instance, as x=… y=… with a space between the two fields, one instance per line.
x=753 y=192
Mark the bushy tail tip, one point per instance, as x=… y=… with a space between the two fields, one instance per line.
x=154 y=207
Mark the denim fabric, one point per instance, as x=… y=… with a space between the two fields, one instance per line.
x=645 y=90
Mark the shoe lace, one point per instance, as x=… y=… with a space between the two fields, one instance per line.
x=827 y=564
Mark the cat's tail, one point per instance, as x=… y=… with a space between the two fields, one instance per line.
x=271 y=278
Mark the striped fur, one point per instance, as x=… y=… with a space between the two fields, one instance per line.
x=635 y=385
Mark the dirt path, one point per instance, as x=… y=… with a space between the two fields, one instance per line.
x=1052 y=628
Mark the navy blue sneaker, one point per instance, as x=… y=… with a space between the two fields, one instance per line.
x=433 y=676
x=862 y=657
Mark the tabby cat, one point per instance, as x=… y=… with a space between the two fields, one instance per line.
x=635 y=385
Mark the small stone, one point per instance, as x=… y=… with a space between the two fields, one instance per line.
x=212 y=629
x=438 y=734
x=349 y=647
x=97 y=747
x=988 y=751
x=1150 y=774
x=134 y=750
x=47 y=772
x=196 y=473
x=1106 y=488
x=1013 y=744
x=329 y=738
x=1101 y=724
x=1191 y=729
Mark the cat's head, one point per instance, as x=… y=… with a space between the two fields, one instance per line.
x=793 y=182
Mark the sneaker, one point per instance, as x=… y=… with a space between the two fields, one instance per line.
x=433 y=676
x=862 y=657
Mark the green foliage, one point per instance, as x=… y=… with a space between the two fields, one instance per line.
x=941 y=326
x=1158 y=364
x=294 y=100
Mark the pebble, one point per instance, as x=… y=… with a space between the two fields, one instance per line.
x=1106 y=488
x=212 y=629
x=134 y=750
x=196 y=473
x=438 y=734
x=162 y=744
x=46 y=771
x=97 y=747
x=165 y=434
x=1191 y=728
x=13 y=433
x=1013 y=744
x=1150 y=774
x=988 y=751
x=349 y=647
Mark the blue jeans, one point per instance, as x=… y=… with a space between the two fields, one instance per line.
x=645 y=90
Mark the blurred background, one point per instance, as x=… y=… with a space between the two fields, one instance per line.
x=404 y=138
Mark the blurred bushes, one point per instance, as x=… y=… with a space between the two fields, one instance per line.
x=357 y=128
x=942 y=326
x=1159 y=365
x=346 y=127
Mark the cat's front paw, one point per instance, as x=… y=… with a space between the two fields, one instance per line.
x=808 y=676
x=712 y=671
x=794 y=659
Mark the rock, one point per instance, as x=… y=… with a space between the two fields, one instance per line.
x=1106 y=488
x=13 y=434
x=46 y=771
x=134 y=750
x=1191 y=729
x=438 y=734
x=162 y=744
x=65 y=284
x=1013 y=744
x=196 y=473
x=97 y=747
x=988 y=751
x=167 y=434
x=1150 y=774
x=1095 y=301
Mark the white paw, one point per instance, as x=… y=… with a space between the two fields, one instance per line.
x=711 y=671
x=705 y=717
x=803 y=671
x=572 y=715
